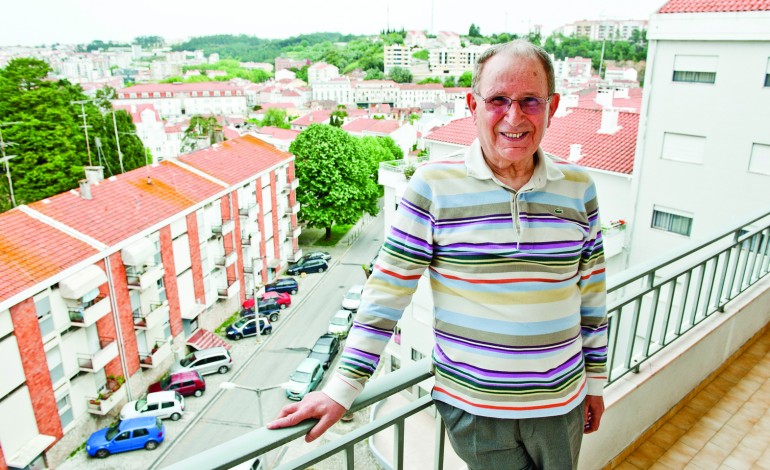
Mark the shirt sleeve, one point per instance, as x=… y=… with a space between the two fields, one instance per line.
x=593 y=303
x=406 y=253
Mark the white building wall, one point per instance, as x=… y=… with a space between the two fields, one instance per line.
x=719 y=189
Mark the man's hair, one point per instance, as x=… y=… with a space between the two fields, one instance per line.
x=520 y=48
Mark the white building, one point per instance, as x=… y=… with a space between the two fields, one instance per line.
x=175 y=100
x=704 y=146
x=339 y=90
x=412 y=95
x=321 y=72
x=596 y=30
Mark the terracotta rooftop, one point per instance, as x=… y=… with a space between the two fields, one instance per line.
x=135 y=111
x=234 y=161
x=314 y=117
x=634 y=100
x=383 y=126
x=713 y=6
x=278 y=133
x=177 y=87
x=608 y=152
x=31 y=251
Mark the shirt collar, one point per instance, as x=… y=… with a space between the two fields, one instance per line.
x=545 y=168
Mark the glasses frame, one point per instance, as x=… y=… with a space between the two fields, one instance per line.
x=497 y=109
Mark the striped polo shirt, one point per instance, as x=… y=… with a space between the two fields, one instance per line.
x=518 y=286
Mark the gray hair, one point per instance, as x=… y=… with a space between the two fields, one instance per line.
x=517 y=48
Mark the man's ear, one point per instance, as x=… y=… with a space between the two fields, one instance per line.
x=553 y=105
x=472 y=103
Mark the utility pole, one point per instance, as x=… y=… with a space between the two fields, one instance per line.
x=82 y=104
x=117 y=140
x=6 y=158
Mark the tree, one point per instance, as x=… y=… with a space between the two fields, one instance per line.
x=474 y=31
x=149 y=42
x=277 y=118
x=400 y=75
x=465 y=79
x=337 y=177
x=50 y=145
x=429 y=80
x=202 y=132
x=337 y=118
x=450 y=82
x=422 y=54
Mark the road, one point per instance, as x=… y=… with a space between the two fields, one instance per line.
x=231 y=413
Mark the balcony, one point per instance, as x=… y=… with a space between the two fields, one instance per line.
x=294 y=209
x=87 y=314
x=158 y=313
x=145 y=279
x=158 y=354
x=105 y=401
x=222 y=229
x=391 y=173
x=294 y=184
x=225 y=261
x=95 y=361
x=249 y=212
x=224 y=293
x=613 y=237
x=675 y=324
x=296 y=232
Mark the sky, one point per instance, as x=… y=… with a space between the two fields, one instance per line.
x=38 y=22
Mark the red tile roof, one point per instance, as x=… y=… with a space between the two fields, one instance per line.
x=278 y=133
x=177 y=87
x=608 y=152
x=31 y=252
x=383 y=126
x=703 y=6
x=127 y=204
x=634 y=100
x=135 y=111
x=314 y=117
x=234 y=161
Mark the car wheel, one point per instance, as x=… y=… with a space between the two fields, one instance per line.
x=223 y=369
x=320 y=270
x=237 y=337
x=102 y=453
x=269 y=332
x=274 y=317
x=175 y=417
x=282 y=306
x=151 y=445
x=293 y=292
x=198 y=393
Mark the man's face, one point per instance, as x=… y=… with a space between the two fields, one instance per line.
x=512 y=137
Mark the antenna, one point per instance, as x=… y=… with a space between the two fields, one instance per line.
x=6 y=158
x=82 y=104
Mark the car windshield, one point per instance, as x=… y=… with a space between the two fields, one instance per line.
x=164 y=382
x=322 y=348
x=112 y=431
x=140 y=404
x=300 y=377
x=353 y=295
x=187 y=360
x=339 y=321
x=240 y=323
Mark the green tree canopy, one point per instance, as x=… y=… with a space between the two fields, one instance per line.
x=465 y=79
x=276 y=117
x=337 y=118
x=202 y=132
x=337 y=177
x=400 y=75
x=43 y=119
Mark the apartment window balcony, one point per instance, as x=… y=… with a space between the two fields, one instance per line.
x=294 y=209
x=157 y=314
x=294 y=183
x=222 y=229
x=229 y=291
x=96 y=360
x=157 y=355
x=296 y=256
x=193 y=312
x=141 y=280
x=86 y=314
x=225 y=261
x=105 y=400
x=246 y=240
x=249 y=211
x=296 y=232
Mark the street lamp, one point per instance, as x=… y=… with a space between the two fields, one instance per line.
x=258 y=391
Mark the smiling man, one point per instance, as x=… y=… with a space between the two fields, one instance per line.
x=511 y=240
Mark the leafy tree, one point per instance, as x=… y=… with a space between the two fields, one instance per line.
x=149 y=42
x=50 y=144
x=429 y=80
x=301 y=73
x=202 y=132
x=465 y=79
x=337 y=118
x=450 y=82
x=474 y=31
x=276 y=117
x=422 y=54
x=338 y=178
x=390 y=145
x=373 y=74
x=400 y=75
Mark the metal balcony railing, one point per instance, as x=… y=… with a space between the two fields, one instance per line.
x=650 y=307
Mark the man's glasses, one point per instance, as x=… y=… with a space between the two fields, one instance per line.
x=530 y=105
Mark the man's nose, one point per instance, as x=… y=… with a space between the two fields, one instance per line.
x=514 y=113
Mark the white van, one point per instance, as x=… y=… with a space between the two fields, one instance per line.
x=159 y=404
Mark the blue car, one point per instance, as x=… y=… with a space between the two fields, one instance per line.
x=248 y=327
x=128 y=434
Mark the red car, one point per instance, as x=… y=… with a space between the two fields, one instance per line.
x=282 y=298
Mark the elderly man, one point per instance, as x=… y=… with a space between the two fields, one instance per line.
x=512 y=242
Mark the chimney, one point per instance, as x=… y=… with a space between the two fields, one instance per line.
x=604 y=97
x=85 y=189
x=609 y=121
x=94 y=174
x=621 y=92
x=574 y=153
x=566 y=103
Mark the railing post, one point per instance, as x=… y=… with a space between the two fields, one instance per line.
x=398 y=445
x=438 y=461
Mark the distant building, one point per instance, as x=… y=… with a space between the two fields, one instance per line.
x=175 y=100
x=282 y=63
x=597 y=30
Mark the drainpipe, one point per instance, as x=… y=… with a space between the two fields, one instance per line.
x=116 y=319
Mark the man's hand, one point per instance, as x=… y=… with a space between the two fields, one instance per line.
x=314 y=405
x=594 y=409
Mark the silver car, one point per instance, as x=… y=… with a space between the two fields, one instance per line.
x=205 y=361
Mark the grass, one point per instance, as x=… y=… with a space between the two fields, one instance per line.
x=81 y=447
x=315 y=236
x=221 y=328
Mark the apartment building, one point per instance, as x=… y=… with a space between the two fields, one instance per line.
x=103 y=284
x=339 y=90
x=453 y=61
x=597 y=30
x=320 y=72
x=175 y=100
x=375 y=91
x=412 y=96
x=397 y=55
x=701 y=163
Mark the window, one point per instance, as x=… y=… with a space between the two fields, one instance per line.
x=671 y=222
x=395 y=363
x=167 y=404
x=695 y=68
x=141 y=432
x=123 y=436
x=152 y=407
x=683 y=148
x=767 y=74
x=55 y=366
x=44 y=317
x=417 y=355
x=65 y=410
x=760 y=159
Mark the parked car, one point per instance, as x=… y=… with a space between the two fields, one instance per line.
x=268 y=308
x=283 y=284
x=282 y=298
x=352 y=299
x=127 y=434
x=309 y=266
x=341 y=323
x=304 y=379
x=325 y=348
x=324 y=255
x=205 y=361
x=157 y=404
x=248 y=327
x=185 y=383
